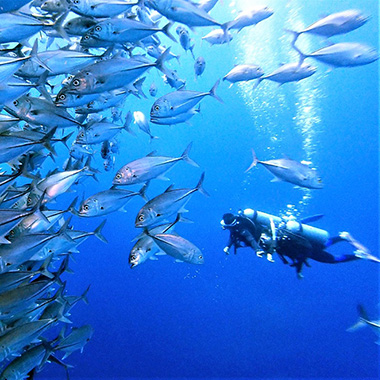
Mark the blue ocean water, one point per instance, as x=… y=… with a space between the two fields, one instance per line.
x=242 y=317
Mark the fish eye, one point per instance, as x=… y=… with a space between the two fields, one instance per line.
x=156 y=107
x=141 y=218
x=29 y=200
x=200 y=257
x=62 y=97
x=15 y=103
x=81 y=134
x=86 y=207
x=76 y=82
x=98 y=28
x=118 y=176
x=76 y=1
x=319 y=180
x=86 y=37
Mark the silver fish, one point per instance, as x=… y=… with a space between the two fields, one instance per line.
x=76 y=340
x=364 y=320
x=179 y=248
x=334 y=24
x=153 y=89
x=245 y=72
x=218 y=37
x=169 y=203
x=108 y=201
x=199 y=66
x=343 y=54
x=149 y=167
x=178 y=102
x=79 y=26
x=290 y=72
x=250 y=17
x=143 y=124
x=96 y=8
x=285 y=169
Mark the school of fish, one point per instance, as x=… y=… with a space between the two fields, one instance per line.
x=66 y=70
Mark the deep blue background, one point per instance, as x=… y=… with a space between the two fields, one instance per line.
x=241 y=316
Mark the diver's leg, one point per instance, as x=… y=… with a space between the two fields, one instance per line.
x=325 y=257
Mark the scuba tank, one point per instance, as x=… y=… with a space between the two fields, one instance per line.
x=312 y=234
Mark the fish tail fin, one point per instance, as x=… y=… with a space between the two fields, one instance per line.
x=98 y=232
x=64 y=139
x=44 y=268
x=166 y=31
x=161 y=60
x=186 y=158
x=213 y=91
x=127 y=123
x=34 y=56
x=362 y=321
x=84 y=295
x=191 y=48
x=138 y=86
x=37 y=209
x=142 y=192
x=200 y=187
x=225 y=28
x=254 y=161
x=295 y=36
x=58 y=26
x=45 y=141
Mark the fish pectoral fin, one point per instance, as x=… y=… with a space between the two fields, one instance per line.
x=160 y=253
x=276 y=179
x=162 y=177
x=179 y=261
x=153 y=258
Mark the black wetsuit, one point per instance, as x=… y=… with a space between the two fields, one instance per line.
x=299 y=249
x=244 y=231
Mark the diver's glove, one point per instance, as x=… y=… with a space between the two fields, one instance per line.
x=226 y=250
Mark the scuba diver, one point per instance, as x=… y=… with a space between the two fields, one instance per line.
x=289 y=238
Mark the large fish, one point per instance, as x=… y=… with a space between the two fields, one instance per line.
x=179 y=248
x=149 y=167
x=145 y=247
x=334 y=24
x=108 y=201
x=122 y=31
x=76 y=340
x=244 y=73
x=343 y=54
x=176 y=103
x=169 y=203
x=285 y=169
x=289 y=72
x=250 y=17
x=99 y=8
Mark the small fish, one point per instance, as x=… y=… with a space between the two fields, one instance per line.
x=174 y=81
x=243 y=73
x=143 y=124
x=199 y=66
x=153 y=89
x=169 y=203
x=149 y=167
x=365 y=321
x=218 y=37
x=185 y=40
x=285 y=169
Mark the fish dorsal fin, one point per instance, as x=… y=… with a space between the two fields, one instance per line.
x=152 y=154
x=169 y=188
